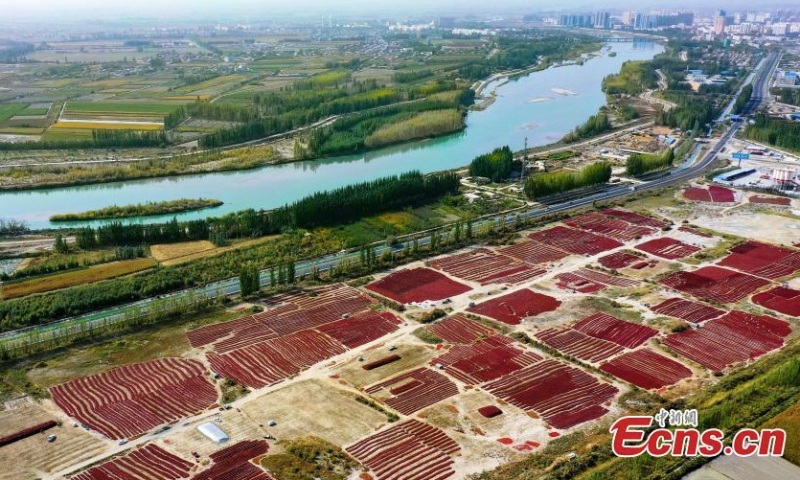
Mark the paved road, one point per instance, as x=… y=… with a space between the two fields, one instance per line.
x=325 y=263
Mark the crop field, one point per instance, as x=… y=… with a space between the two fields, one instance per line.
x=534 y=253
x=66 y=134
x=577 y=344
x=612 y=329
x=712 y=194
x=133 y=399
x=605 y=225
x=511 y=309
x=9 y=110
x=486 y=267
x=82 y=276
x=414 y=390
x=209 y=85
x=576 y=242
x=769 y=200
x=618 y=260
x=417 y=285
x=71 y=125
x=624 y=259
x=668 y=248
x=233 y=463
x=274 y=360
x=597 y=337
x=173 y=251
x=293 y=313
x=485 y=360
x=733 y=338
x=411 y=450
x=635 y=218
x=121 y=108
x=687 y=310
x=36 y=110
x=362 y=328
x=763 y=260
x=22 y=130
x=714 y=283
x=563 y=395
x=460 y=329
x=780 y=299
x=647 y=369
x=150 y=462
x=585 y=280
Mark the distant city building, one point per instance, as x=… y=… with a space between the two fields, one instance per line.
x=787 y=79
x=780 y=29
x=576 y=20
x=602 y=20
x=642 y=22
x=719 y=24
x=628 y=18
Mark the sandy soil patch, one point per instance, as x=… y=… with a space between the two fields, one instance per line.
x=763 y=226
x=34 y=456
x=411 y=356
x=314 y=407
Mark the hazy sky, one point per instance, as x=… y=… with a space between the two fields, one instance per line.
x=191 y=9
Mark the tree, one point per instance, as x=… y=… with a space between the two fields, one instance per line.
x=641 y=163
x=249 y=280
x=547 y=184
x=157 y=63
x=60 y=244
x=496 y=166
x=290 y=272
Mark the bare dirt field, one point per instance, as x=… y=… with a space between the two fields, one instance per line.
x=314 y=407
x=411 y=356
x=34 y=456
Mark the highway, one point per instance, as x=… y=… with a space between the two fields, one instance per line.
x=31 y=335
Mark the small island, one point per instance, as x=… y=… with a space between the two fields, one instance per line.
x=139 y=210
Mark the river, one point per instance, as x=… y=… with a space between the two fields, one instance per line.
x=542 y=106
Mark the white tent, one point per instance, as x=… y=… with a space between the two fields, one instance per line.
x=213 y=432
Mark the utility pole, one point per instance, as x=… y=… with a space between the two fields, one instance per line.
x=522 y=170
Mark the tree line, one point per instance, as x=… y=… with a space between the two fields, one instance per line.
x=639 y=164
x=323 y=208
x=349 y=134
x=691 y=113
x=496 y=165
x=634 y=78
x=100 y=139
x=596 y=125
x=789 y=96
x=546 y=184
x=779 y=132
x=743 y=99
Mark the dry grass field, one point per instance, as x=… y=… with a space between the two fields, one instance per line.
x=78 y=277
x=172 y=251
x=176 y=253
